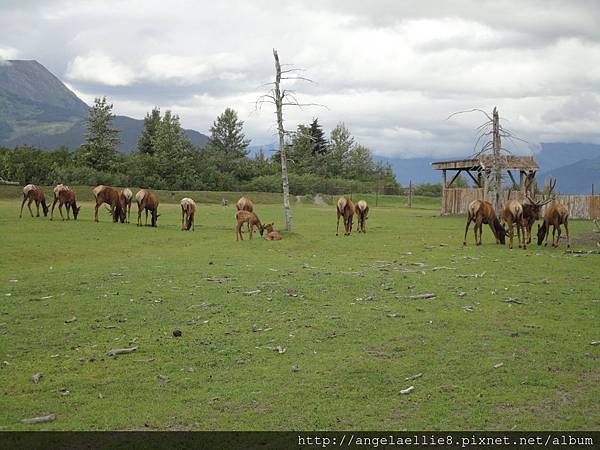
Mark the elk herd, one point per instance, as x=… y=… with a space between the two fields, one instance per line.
x=514 y=214
x=522 y=216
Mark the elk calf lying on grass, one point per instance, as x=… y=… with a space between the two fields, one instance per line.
x=345 y=209
x=249 y=218
x=272 y=235
x=147 y=201
x=482 y=212
x=362 y=214
x=64 y=195
x=188 y=210
x=128 y=198
x=33 y=193
x=512 y=214
x=113 y=198
x=556 y=215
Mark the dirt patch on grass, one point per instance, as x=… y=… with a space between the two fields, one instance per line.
x=587 y=239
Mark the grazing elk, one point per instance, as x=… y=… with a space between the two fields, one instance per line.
x=188 y=210
x=64 y=195
x=512 y=215
x=33 y=193
x=249 y=218
x=128 y=197
x=556 y=215
x=482 y=212
x=345 y=209
x=362 y=214
x=113 y=198
x=147 y=201
x=245 y=204
x=272 y=235
x=532 y=210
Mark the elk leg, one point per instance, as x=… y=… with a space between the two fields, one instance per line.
x=29 y=206
x=60 y=211
x=139 y=221
x=567 y=230
x=128 y=211
x=511 y=233
x=182 y=217
x=518 y=225
x=338 y=223
x=146 y=224
x=52 y=210
x=96 y=212
x=68 y=208
x=22 y=204
x=553 y=234
x=238 y=231
x=37 y=205
x=467 y=229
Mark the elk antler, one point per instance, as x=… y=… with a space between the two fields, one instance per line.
x=550 y=196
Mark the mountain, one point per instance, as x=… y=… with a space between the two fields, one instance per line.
x=37 y=109
x=576 y=178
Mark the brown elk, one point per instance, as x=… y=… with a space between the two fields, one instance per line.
x=249 y=218
x=113 y=198
x=556 y=215
x=128 y=197
x=33 y=193
x=272 y=235
x=532 y=210
x=64 y=195
x=245 y=204
x=481 y=212
x=362 y=214
x=512 y=215
x=188 y=210
x=147 y=201
x=345 y=209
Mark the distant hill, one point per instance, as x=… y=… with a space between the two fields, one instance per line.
x=576 y=178
x=37 y=109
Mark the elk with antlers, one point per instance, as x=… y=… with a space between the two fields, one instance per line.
x=188 y=210
x=128 y=197
x=512 y=215
x=362 y=214
x=33 y=193
x=147 y=201
x=113 y=198
x=345 y=209
x=532 y=210
x=251 y=219
x=481 y=212
x=64 y=195
x=556 y=215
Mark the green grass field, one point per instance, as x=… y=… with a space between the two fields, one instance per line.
x=505 y=344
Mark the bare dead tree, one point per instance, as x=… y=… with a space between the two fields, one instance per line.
x=279 y=98
x=489 y=151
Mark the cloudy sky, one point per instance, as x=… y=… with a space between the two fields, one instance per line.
x=392 y=71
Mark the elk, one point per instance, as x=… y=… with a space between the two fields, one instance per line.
x=556 y=215
x=64 y=195
x=249 y=218
x=532 y=210
x=272 y=235
x=345 y=209
x=33 y=193
x=113 y=198
x=512 y=214
x=481 y=212
x=362 y=214
x=147 y=201
x=245 y=204
x=128 y=197
x=188 y=209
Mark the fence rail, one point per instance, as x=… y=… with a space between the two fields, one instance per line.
x=456 y=201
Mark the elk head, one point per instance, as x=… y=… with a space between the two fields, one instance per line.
x=269 y=227
x=45 y=208
x=76 y=212
x=541 y=233
x=536 y=206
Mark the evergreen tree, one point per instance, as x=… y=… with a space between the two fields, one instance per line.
x=317 y=135
x=227 y=136
x=360 y=165
x=147 y=139
x=100 y=148
x=341 y=143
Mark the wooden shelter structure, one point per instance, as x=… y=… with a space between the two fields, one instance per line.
x=520 y=170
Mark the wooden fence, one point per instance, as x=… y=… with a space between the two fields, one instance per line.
x=456 y=201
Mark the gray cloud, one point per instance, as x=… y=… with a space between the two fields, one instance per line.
x=392 y=71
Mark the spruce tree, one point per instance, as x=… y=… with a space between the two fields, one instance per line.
x=100 y=148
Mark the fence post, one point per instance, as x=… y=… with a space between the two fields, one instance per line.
x=410 y=193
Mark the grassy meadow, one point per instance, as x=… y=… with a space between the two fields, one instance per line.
x=311 y=332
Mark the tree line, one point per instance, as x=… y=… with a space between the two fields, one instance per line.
x=166 y=159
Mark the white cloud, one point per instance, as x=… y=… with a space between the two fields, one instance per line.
x=392 y=71
x=7 y=53
x=97 y=67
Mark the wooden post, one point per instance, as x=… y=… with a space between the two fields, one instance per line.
x=592 y=188
x=445 y=178
x=410 y=193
